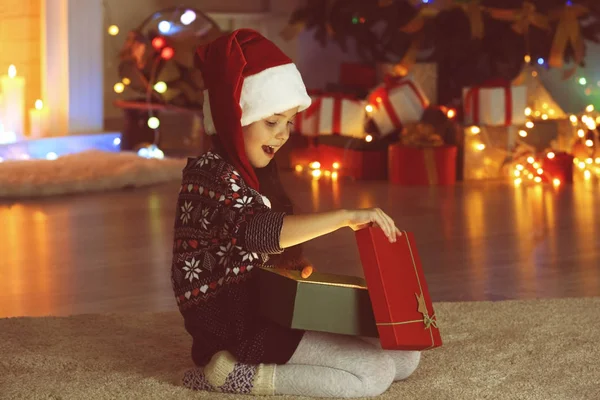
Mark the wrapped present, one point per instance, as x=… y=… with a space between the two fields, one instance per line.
x=421 y=135
x=356 y=75
x=322 y=302
x=425 y=75
x=299 y=150
x=412 y=166
x=495 y=103
x=354 y=158
x=395 y=103
x=551 y=133
x=306 y=122
x=398 y=290
x=558 y=166
x=486 y=150
x=338 y=114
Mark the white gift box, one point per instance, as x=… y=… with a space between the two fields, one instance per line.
x=495 y=106
x=333 y=114
x=397 y=103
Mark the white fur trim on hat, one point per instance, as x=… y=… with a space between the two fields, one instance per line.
x=271 y=91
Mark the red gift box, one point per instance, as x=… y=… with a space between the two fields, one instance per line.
x=303 y=156
x=558 y=167
x=358 y=75
x=399 y=296
x=413 y=166
x=357 y=164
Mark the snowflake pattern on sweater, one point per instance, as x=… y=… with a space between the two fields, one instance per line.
x=224 y=231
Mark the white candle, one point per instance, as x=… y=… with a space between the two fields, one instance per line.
x=38 y=121
x=6 y=137
x=13 y=93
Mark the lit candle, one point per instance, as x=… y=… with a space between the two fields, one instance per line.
x=13 y=93
x=38 y=120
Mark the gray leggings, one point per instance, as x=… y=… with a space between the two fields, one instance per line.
x=328 y=365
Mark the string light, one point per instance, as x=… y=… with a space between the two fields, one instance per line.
x=119 y=87
x=299 y=168
x=167 y=53
x=475 y=130
x=153 y=123
x=187 y=17
x=582 y=81
x=369 y=108
x=550 y=155
x=158 y=43
x=529 y=124
x=523 y=133
x=113 y=30
x=589 y=108
x=164 y=26
x=160 y=87
x=528 y=111
x=336 y=165
x=369 y=139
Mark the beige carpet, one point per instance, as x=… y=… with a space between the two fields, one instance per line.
x=89 y=171
x=542 y=350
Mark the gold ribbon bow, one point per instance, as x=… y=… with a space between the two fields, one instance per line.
x=568 y=31
x=429 y=321
x=522 y=18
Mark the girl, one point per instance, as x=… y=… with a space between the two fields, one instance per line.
x=233 y=217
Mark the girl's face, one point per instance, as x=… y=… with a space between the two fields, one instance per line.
x=262 y=139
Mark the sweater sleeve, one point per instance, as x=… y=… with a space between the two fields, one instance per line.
x=258 y=228
x=228 y=211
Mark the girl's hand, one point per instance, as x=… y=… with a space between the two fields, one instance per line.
x=306 y=271
x=359 y=219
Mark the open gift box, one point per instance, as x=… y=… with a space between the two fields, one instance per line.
x=321 y=302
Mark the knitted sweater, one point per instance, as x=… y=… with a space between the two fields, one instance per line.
x=224 y=231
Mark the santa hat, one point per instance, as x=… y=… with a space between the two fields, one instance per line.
x=247 y=78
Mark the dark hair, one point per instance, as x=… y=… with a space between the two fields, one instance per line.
x=272 y=188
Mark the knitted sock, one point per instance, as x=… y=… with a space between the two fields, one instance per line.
x=224 y=374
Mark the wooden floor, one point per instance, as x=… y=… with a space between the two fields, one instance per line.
x=479 y=241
